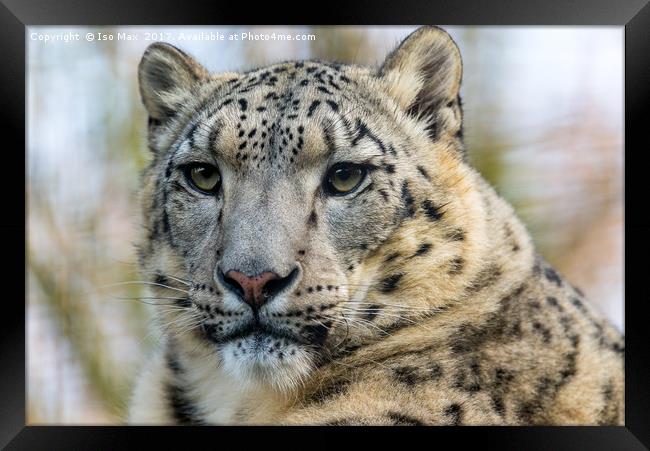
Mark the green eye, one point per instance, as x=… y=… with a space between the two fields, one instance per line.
x=344 y=178
x=204 y=177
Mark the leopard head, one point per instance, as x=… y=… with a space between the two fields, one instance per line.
x=297 y=210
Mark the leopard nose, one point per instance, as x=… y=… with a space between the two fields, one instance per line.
x=256 y=290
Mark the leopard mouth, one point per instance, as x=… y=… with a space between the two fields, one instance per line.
x=256 y=331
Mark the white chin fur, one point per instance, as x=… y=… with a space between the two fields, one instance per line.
x=266 y=361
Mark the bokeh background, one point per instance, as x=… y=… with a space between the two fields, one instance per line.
x=544 y=124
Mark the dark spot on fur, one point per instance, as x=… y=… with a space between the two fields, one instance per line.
x=552 y=276
x=352 y=421
x=152 y=122
x=363 y=131
x=527 y=410
x=554 y=303
x=609 y=414
x=537 y=266
x=470 y=379
x=578 y=303
x=390 y=283
x=456 y=266
x=407 y=197
x=313 y=218
x=497 y=404
x=316 y=333
x=485 y=278
x=313 y=107
x=543 y=331
x=173 y=364
x=431 y=211
x=333 y=105
x=399 y=419
x=454 y=412
x=182 y=409
x=423 y=249
x=435 y=371
x=456 y=235
x=337 y=388
x=502 y=377
x=391 y=257
x=407 y=375
x=424 y=172
x=579 y=291
x=570 y=366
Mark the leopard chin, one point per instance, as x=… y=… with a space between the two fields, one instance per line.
x=261 y=360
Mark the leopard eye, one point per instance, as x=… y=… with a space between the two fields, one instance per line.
x=203 y=177
x=343 y=178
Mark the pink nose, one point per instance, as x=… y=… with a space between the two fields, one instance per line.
x=253 y=290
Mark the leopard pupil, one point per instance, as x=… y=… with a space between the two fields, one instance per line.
x=204 y=172
x=344 y=174
x=205 y=177
x=345 y=179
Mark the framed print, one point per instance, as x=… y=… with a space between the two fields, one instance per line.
x=423 y=222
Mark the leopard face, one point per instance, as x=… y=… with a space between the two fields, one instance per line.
x=279 y=202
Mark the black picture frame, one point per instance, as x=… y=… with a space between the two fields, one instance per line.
x=16 y=15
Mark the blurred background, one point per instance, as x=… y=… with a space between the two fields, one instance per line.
x=544 y=124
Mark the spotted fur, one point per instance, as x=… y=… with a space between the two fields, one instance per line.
x=417 y=299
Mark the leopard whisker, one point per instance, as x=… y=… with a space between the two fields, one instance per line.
x=169 y=276
x=144 y=282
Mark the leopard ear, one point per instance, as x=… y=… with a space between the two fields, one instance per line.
x=423 y=75
x=167 y=76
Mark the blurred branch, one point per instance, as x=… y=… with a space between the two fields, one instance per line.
x=83 y=332
x=63 y=289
